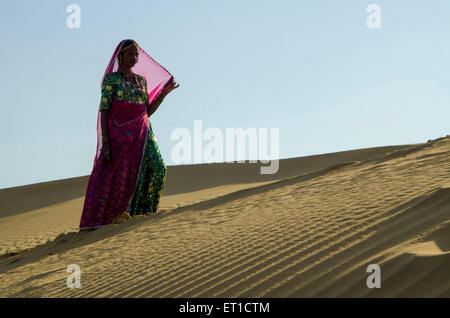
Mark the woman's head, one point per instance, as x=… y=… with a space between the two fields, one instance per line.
x=128 y=55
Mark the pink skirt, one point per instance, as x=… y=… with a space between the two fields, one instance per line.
x=112 y=183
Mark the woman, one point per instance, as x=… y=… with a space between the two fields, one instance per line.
x=129 y=173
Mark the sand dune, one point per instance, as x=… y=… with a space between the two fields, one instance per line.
x=31 y=215
x=309 y=231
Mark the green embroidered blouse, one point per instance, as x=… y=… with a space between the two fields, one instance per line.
x=115 y=87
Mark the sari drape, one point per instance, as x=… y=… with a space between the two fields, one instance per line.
x=112 y=184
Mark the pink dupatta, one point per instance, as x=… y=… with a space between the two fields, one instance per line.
x=112 y=184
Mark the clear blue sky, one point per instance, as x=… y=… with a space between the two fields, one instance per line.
x=310 y=68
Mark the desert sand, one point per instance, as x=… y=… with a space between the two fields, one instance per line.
x=225 y=230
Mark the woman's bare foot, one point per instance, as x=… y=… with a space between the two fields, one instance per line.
x=122 y=218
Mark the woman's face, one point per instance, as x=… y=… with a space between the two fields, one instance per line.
x=130 y=57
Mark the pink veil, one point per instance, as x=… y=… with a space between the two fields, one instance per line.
x=157 y=79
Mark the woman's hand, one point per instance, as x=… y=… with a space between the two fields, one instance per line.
x=106 y=149
x=170 y=87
